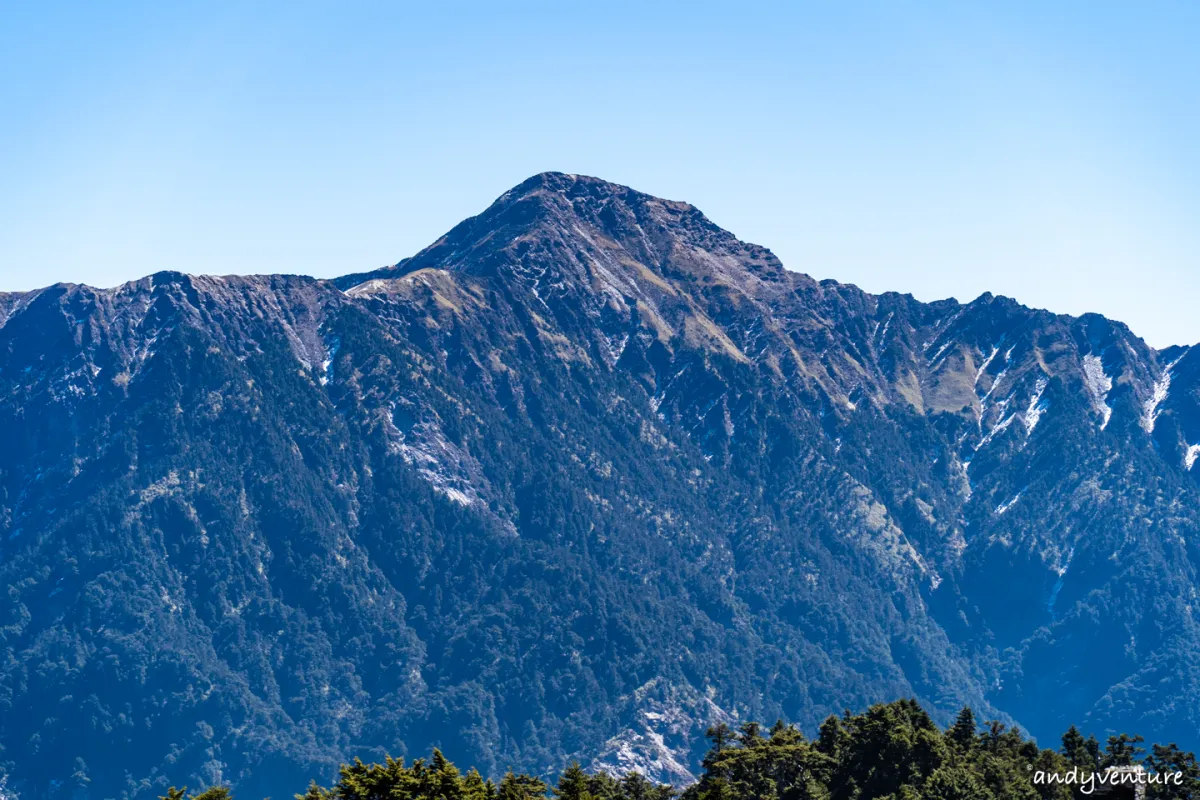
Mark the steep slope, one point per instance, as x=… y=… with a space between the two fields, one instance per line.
x=583 y=476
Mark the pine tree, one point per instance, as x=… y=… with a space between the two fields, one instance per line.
x=634 y=786
x=314 y=792
x=720 y=735
x=520 y=787
x=474 y=787
x=214 y=793
x=991 y=736
x=603 y=786
x=1074 y=748
x=750 y=735
x=441 y=780
x=832 y=737
x=962 y=732
x=359 y=781
x=1122 y=751
x=718 y=789
x=1168 y=760
x=1093 y=750
x=573 y=784
x=954 y=783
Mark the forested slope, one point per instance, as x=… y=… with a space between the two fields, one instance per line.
x=582 y=479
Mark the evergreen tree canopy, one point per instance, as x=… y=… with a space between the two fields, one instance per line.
x=1122 y=750
x=891 y=751
x=962 y=733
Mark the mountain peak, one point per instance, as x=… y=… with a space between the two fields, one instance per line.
x=574 y=186
x=559 y=181
x=601 y=230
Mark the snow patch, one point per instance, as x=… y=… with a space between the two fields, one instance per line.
x=996 y=381
x=615 y=347
x=999 y=427
x=876 y=335
x=940 y=350
x=1000 y=509
x=1162 y=387
x=1033 y=414
x=986 y=363
x=169 y=603
x=944 y=325
x=661 y=722
x=331 y=350
x=1099 y=384
x=448 y=469
x=455 y=495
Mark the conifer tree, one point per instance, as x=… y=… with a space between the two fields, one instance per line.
x=441 y=779
x=474 y=787
x=314 y=792
x=962 y=732
x=954 y=783
x=214 y=793
x=720 y=735
x=1074 y=749
x=573 y=784
x=634 y=786
x=603 y=786
x=1092 y=746
x=991 y=736
x=832 y=737
x=520 y=787
x=718 y=789
x=1168 y=760
x=750 y=735
x=1122 y=751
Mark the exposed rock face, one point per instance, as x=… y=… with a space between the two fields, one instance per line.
x=582 y=477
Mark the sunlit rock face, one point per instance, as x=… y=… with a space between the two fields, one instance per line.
x=583 y=477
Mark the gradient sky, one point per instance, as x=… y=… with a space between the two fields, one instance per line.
x=1047 y=151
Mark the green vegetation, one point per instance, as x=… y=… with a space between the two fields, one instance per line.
x=892 y=751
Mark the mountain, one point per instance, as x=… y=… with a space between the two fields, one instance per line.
x=583 y=477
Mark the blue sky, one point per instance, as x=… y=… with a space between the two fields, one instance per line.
x=1046 y=151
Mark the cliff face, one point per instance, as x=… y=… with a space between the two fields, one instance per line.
x=580 y=478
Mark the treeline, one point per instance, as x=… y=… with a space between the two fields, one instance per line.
x=892 y=751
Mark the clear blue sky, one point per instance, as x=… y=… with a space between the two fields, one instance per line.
x=1045 y=150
